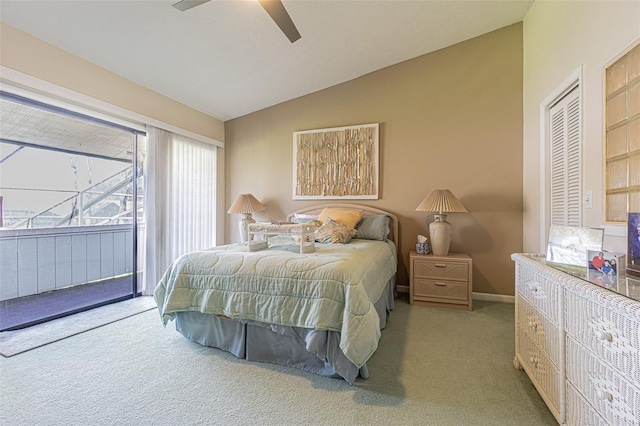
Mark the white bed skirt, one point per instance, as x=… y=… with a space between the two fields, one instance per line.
x=317 y=351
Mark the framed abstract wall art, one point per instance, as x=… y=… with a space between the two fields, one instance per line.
x=336 y=163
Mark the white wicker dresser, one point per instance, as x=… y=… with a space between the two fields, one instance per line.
x=579 y=343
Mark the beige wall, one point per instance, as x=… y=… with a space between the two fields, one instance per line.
x=26 y=54
x=449 y=119
x=561 y=37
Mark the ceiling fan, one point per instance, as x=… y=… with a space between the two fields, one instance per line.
x=274 y=8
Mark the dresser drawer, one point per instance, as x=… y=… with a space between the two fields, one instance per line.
x=541 y=370
x=609 y=392
x=542 y=331
x=423 y=268
x=452 y=291
x=540 y=291
x=611 y=336
x=579 y=412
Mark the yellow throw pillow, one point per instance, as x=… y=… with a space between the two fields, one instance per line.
x=347 y=217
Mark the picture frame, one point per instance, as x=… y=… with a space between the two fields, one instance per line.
x=633 y=243
x=336 y=163
x=568 y=245
x=604 y=268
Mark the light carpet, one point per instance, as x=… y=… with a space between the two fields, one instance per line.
x=18 y=341
x=433 y=367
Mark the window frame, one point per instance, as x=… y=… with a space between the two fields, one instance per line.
x=629 y=155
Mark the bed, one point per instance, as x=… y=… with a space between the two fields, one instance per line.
x=322 y=312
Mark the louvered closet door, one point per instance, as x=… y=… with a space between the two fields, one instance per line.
x=565 y=161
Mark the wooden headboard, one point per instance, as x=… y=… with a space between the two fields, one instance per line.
x=368 y=211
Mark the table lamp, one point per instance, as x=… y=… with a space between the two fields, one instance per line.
x=440 y=201
x=245 y=204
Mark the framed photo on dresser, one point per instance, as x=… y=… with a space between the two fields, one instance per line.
x=568 y=245
x=603 y=267
x=633 y=242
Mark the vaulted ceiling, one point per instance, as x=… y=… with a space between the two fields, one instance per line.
x=227 y=58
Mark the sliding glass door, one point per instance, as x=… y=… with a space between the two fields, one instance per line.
x=71 y=211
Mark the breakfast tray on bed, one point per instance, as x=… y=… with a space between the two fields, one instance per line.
x=303 y=232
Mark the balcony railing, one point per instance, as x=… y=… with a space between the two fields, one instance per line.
x=107 y=202
x=34 y=261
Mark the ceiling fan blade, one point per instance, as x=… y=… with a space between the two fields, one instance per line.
x=183 y=5
x=279 y=14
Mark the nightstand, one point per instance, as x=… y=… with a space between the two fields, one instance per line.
x=441 y=281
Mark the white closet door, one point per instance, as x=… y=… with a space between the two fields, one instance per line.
x=566 y=161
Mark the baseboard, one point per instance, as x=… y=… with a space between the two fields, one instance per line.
x=402 y=288
x=494 y=297
x=490 y=297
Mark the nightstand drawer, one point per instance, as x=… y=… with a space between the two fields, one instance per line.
x=442 y=281
x=440 y=269
x=452 y=291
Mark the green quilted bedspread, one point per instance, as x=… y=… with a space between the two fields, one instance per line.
x=333 y=288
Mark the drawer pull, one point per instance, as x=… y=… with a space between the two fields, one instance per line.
x=441 y=284
x=605 y=335
x=441 y=265
x=533 y=325
x=604 y=395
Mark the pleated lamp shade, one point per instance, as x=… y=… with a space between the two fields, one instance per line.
x=245 y=203
x=441 y=201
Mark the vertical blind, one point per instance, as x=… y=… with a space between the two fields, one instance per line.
x=180 y=198
x=193 y=189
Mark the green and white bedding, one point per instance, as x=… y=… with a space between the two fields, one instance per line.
x=332 y=289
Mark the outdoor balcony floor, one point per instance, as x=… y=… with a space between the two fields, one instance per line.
x=30 y=310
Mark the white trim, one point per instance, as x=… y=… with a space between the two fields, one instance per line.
x=39 y=97
x=615 y=230
x=574 y=80
x=624 y=51
x=25 y=85
x=490 y=297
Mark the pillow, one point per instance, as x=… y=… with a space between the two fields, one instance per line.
x=304 y=218
x=333 y=232
x=373 y=227
x=345 y=216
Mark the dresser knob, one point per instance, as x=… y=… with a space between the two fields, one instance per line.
x=605 y=335
x=604 y=395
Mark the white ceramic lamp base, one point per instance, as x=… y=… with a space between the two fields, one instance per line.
x=247 y=219
x=440 y=233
